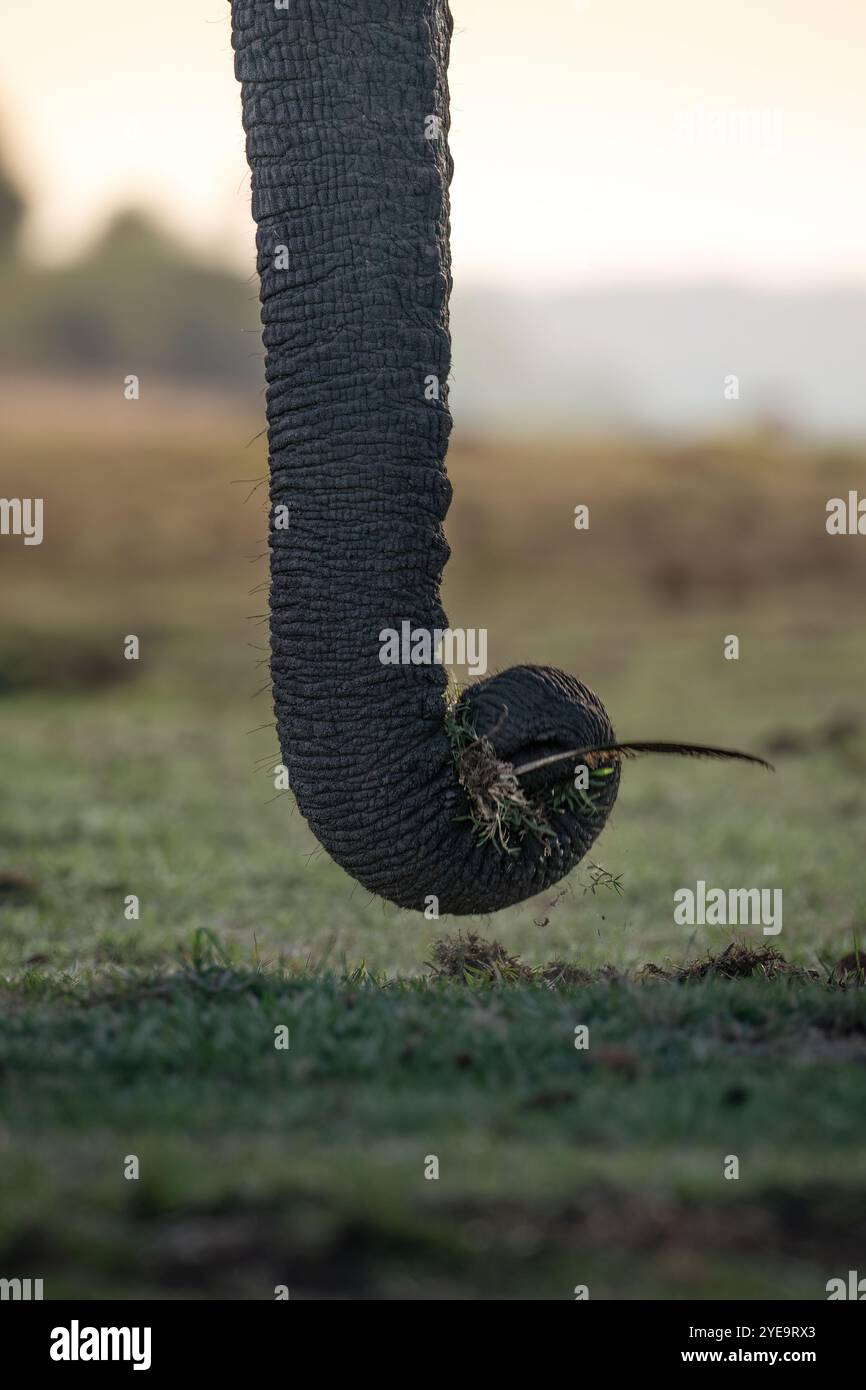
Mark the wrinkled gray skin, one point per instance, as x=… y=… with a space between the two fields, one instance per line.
x=336 y=98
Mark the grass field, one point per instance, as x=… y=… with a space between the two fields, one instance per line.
x=305 y=1167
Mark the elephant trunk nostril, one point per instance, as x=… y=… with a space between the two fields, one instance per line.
x=530 y=713
x=529 y=718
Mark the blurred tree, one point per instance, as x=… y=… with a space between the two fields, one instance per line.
x=136 y=299
x=132 y=241
x=12 y=210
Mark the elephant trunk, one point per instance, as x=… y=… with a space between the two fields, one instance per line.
x=345 y=109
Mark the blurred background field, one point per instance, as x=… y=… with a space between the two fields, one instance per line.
x=154 y=526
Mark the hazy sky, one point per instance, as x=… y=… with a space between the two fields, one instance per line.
x=594 y=140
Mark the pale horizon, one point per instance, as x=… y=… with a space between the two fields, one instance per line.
x=596 y=142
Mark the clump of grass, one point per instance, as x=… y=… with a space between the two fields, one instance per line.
x=851 y=969
x=565 y=972
x=737 y=962
x=470 y=958
x=741 y=962
x=499 y=808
